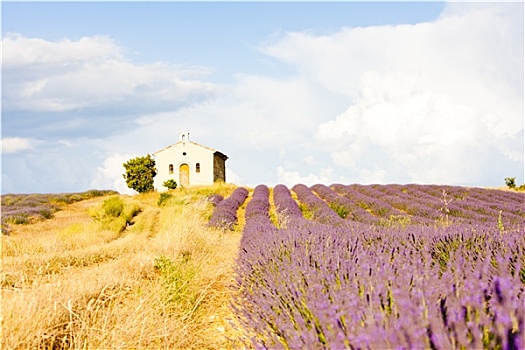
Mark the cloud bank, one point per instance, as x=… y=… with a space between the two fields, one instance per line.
x=434 y=102
x=438 y=102
x=89 y=87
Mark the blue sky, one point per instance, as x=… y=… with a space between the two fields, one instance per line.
x=292 y=92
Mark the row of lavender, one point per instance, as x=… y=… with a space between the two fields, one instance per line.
x=386 y=205
x=225 y=213
x=336 y=283
x=425 y=204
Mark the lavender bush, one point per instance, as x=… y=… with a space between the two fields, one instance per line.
x=431 y=204
x=316 y=206
x=312 y=284
x=215 y=199
x=259 y=203
x=285 y=205
x=344 y=204
x=225 y=213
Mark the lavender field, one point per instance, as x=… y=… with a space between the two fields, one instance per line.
x=28 y=208
x=379 y=266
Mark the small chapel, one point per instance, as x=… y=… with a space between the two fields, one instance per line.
x=189 y=164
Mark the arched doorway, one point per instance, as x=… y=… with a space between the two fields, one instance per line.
x=184 y=175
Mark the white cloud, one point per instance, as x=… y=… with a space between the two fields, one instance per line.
x=21 y=51
x=447 y=56
x=270 y=112
x=232 y=177
x=16 y=144
x=91 y=81
x=290 y=178
x=431 y=137
x=431 y=102
x=91 y=71
x=308 y=160
x=109 y=174
x=375 y=176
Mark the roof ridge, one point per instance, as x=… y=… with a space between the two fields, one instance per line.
x=195 y=143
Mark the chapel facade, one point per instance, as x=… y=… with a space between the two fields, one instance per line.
x=189 y=164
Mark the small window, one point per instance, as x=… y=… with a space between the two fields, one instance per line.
x=183 y=153
x=170 y=169
x=198 y=167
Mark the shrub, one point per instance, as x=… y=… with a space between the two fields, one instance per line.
x=510 y=182
x=170 y=184
x=17 y=220
x=45 y=212
x=112 y=207
x=163 y=198
x=114 y=214
x=130 y=211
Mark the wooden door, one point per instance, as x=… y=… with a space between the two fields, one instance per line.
x=184 y=175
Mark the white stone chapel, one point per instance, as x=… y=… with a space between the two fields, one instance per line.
x=189 y=164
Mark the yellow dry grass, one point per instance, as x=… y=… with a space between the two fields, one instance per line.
x=163 y=283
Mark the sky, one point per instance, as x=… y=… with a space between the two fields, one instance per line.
x=292 y=92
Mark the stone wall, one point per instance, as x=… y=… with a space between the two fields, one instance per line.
x=219 y=167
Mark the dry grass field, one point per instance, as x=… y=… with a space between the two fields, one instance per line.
x=157 y=279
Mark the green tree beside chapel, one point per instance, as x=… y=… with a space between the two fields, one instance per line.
x=139 y=173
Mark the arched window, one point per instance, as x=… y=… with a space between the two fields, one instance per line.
x=170 y=169
x=198 y=167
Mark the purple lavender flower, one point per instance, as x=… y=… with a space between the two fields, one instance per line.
x=225 y=213
x=215 y=199
x=323 y=284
